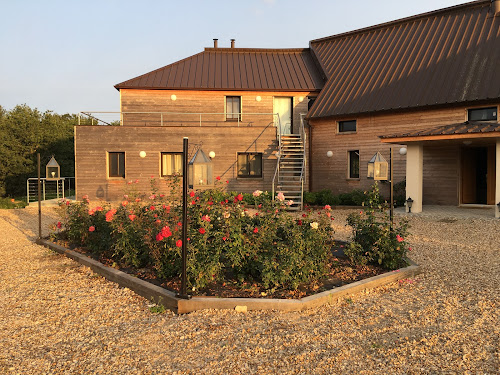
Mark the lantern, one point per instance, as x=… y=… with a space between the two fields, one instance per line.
x=378 y=168
x=200 y=171
x=52 y=170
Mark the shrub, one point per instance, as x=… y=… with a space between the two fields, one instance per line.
x=374 y=241
x=226 y=239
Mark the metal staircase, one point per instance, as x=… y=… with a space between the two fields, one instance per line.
x=290 y=169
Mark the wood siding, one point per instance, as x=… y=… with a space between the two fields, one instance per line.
x=441 y=158
x=93 y=143
x=205 y=102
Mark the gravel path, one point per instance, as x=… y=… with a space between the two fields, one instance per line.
x=57 y=317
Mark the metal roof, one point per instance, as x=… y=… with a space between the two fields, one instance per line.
x=236 y=69
x=472 y=128
x=439 y=58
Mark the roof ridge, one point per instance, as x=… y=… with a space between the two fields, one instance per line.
x=401 y=20
x=282 y=50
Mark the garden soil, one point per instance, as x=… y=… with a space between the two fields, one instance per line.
x=57 y=317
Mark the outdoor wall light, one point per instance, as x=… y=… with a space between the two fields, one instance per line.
x=211 y=154
x=409 y=203
x=301 y=99
x=403 y=151
x=173 y=97
x=329 y=154
x=467 y=143
x=258 y=98
x=142 y=154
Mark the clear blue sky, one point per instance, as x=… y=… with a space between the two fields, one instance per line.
x=66 y=56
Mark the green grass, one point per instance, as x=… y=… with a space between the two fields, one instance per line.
x=8 y=203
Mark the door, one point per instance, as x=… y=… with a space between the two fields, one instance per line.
x=283 y=106
x=478 y=175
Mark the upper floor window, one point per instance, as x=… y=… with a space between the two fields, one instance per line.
x=250 y=164
x=233 y=108
x=347 y=126
x=482 y=114
x=171 y=164
x=116 y=164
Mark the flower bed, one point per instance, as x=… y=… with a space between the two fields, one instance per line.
x=233 y=250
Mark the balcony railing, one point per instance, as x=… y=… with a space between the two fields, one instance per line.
x=177 y=119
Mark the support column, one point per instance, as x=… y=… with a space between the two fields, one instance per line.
x=415 y=175
x=497 y=179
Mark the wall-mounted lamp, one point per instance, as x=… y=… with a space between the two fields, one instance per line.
x=403 y=151
x=258 y=98
x=329 y=154
x=142 y=154
x=211 y=154
x=173 y=97
x=409 y=203
x=301 y=99
x=467 y=143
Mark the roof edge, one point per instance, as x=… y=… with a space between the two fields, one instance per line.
x=401 y=20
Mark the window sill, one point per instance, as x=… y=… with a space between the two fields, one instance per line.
x=345 y=133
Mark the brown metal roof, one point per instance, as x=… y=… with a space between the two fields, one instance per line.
x=236 y=69
x=443 y=57
x=473 y=128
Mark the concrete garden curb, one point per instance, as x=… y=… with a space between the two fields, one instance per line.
x=168 y=299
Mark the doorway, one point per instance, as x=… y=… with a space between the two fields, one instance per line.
x=284 y=107
x=478 y=175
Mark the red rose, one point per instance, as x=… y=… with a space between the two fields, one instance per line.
x=191 y=194
x=256 y=230
x=91 y=228
x=59 y=224
x=217 y=178
x=178 y=243
x=202 y=230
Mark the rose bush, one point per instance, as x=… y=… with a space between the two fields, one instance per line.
x=227 y=238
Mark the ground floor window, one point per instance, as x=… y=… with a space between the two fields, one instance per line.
x=353 y=163
x=116 y=164
x=171 y=164
x=250 y=164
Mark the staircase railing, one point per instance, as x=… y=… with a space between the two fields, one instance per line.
x=278 y=155
x=302 y=132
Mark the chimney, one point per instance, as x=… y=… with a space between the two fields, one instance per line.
x=232 y=40
x=495 y=7
x=216 y=43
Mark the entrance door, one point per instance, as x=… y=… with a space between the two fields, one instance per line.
x=478 y=175
x=283 y=106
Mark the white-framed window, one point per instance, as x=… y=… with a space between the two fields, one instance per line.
x=233 y=108
x=116 y=164
x=348 y=126
x=171 y=164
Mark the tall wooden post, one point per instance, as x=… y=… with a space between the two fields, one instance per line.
x=39 y=200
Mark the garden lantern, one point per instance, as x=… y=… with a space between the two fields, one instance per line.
x=52 y=170
x=200 y=171
x=378 y=168
x=409 y=203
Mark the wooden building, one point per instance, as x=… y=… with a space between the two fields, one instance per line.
x=428 y=83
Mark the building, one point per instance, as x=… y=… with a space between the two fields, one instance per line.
x=429 y=83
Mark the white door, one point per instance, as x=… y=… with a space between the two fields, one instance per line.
x=283 y=106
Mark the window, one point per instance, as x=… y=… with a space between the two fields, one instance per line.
x=347 y=126
x=171 y=164
x=116 y=164
x=482 y=114
x=353 y=171
x=233 y=108
x=249 y=164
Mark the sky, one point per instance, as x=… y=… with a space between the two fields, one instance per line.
x=66 y=56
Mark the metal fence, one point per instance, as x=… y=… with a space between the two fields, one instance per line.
x=51 y=189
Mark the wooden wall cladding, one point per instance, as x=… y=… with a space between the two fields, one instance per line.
x=93 y=143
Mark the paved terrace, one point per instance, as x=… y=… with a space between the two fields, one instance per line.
x=58 y=317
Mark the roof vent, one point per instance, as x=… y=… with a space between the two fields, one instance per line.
x=495 y=7
x=233 y=40
x=216 y=43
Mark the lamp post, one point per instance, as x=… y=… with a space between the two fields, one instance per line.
x=183 y=293
x=409 y=202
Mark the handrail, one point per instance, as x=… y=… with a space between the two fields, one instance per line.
x=302 y=132
x=117 y=118
x=276 y=171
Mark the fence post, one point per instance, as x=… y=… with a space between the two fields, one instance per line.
x=39 y=201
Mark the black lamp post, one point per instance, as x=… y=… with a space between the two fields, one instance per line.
x=183 y=292
x=409 y=202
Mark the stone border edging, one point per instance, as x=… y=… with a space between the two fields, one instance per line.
x=168 y=299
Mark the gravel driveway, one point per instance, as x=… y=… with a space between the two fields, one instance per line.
x=59 y=317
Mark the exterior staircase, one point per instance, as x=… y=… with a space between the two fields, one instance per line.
x=291 y=169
